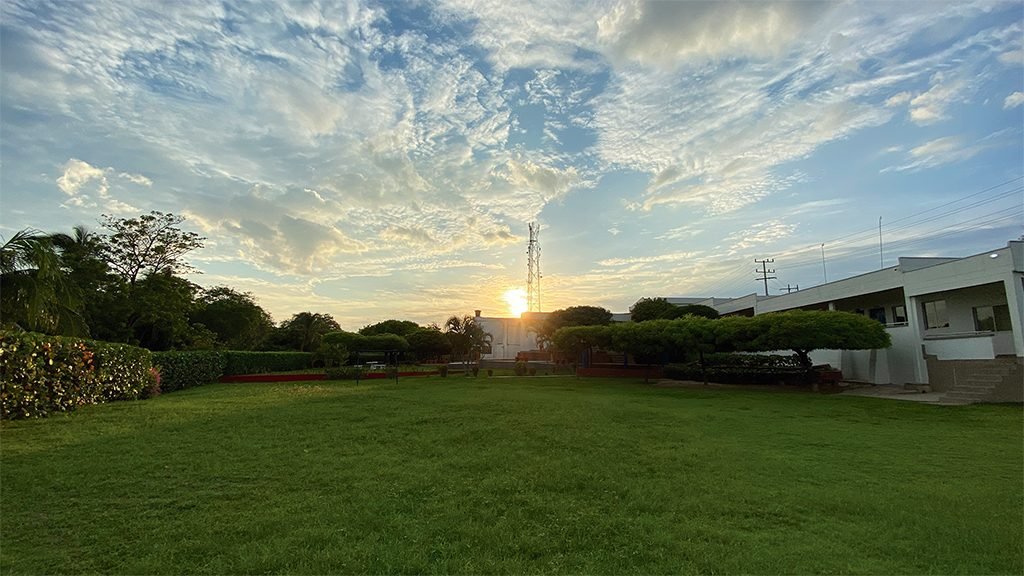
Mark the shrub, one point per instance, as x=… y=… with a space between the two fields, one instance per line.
x=490 y=372
x=443 y=370
x=533 y=371
x=240 y=362
x=187 y=369
x=742 y=369
x=344 y=373
x=42 y=374
x=520 y=368
x=476 y=371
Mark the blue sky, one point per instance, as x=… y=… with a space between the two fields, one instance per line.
x=382 y=160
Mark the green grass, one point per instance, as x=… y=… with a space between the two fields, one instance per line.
x=512 y=475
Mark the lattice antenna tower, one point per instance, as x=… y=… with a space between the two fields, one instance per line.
x=533 y=274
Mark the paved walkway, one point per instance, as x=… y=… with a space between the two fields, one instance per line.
x=894 y=392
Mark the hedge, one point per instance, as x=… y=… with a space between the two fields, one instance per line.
x=41 y=374
x=239 y=362
x=187 y=369
x=742 y=369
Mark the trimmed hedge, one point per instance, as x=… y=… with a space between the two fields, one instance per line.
x=742 y=369
x=240 y=362
x=187 y=369
x=41 y=374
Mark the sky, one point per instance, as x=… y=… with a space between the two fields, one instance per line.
x=383 y=160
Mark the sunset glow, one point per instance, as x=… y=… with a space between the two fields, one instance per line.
x=516 y=301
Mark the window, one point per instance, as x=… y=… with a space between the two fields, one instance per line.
x=993 y=318
x=877 y=314
x=935 y=314
x=899 y=314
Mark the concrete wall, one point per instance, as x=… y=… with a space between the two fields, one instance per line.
x=509 y=337
x=902 y=355
x=972 y=347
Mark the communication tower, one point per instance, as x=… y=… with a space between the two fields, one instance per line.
x=533 y=274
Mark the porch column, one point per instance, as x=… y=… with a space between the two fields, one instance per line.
x=915 y=324
x=1015 y=302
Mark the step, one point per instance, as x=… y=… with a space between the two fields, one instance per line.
x=966 y=397
x=995 y=379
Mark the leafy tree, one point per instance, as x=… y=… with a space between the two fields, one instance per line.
x=429 y=343
x=35 y=294
x=646 y=341
x=574 y=340
x=304 y=330
x=148 y=244
x=572 y=316
x=691 y=310
x=804 y=331
x=646 y=309
x=238 y=322
x=466 y=336
x=159 y=307
x=332 y=353
x=400 y=327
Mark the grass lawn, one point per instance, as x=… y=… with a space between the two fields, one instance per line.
x=518 y=475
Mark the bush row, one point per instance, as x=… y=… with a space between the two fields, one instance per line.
x=188 y=369
x=742 y=369
x=41 y=374
x=736 y=375
x=239 y=362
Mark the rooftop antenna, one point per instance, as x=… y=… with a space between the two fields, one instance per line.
x=533 y=274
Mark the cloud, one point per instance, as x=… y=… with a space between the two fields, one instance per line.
x=899 y=99
x=77 y=174
x=1013 y=100
x=88 y=187
x=945 y=150
x=667 y=33
x=930 y=107
x=758 y=235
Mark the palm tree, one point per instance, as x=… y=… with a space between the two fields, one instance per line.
x=466 y=335
x=34 y=293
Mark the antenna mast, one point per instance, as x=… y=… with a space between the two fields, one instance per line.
x=533 y=274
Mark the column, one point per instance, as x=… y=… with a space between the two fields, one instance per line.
x=1014 y=286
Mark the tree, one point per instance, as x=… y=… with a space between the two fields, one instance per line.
x=429 y=343
x=574 y=340
x=572 y=316
x=646 y=309
x=804 y=331
x=148 y=244
x=35 y=294
x=238 y=322
x=400 y=327
x=159 y=307
x=466 y=336
x=691 y=310
x=304 y=330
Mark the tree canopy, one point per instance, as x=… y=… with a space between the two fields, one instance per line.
x=646 y=309
x=400 y=327
x=147 y=244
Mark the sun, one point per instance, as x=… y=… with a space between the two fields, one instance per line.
x=515 y=298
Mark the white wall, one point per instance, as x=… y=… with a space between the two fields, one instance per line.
x=902 y=354
x=971 y=348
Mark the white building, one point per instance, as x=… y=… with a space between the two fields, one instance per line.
x=956 y=324
x=510 y=336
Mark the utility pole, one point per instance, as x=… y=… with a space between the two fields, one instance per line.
x=764 y=271
x=789 y=288
x=881 y=263
x=824 y=271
